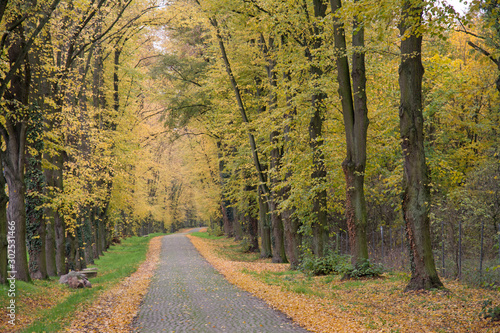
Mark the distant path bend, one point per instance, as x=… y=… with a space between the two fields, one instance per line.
x=187 y=294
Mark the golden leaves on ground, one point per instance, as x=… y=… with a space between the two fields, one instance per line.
x=328 y=304
x=115 y=309
x=310 y=312
x=31 y=304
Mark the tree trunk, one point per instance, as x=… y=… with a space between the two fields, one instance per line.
x=14 y=134
x=87 y=238
x=227 y=215
x=59 y=225
x=278 y=242
x=265 y=228
x=318 y=177
x=252 y=221
x=416 y=197
x=355 y=113
x=50 y=246
x=3 y=229
x=293 y=239
x=316 y=142
x=116 y=95
x=34 y=214
x=96 y=246
x=291 y=225
x=238 y=231
x=16 y=212
x=226 y=221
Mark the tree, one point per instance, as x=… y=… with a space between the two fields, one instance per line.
x=18 y=38
x=416 y=192
x=355 y=114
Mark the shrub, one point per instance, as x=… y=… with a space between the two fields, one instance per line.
x=364 y=269
x=332 y=263
x=490 y=311
x=215 y=230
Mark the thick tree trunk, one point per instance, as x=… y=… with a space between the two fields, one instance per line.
x=278 y=243
x=34 y=217
x=14 y=133
x=291 y=225
x=102 y=230
x=16 y=212
x=278 y=240
x=50 y=245
x=87 y=238
x=252 y=221
x=227 y=215
x=226 y=221
x=318 y=176
x=59 y=225
x=416 y=197
x=3 y=230
x=72 y=257
x=355 y=114
x=264 y=228
x=238 y=230
x=293 y=239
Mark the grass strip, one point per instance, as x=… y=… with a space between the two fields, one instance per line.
x=118 y=262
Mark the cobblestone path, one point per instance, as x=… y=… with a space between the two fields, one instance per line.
x=188 y=295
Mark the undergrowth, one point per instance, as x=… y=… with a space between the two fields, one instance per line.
x=335 y=263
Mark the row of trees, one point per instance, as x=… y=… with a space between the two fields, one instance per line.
x=286 y=91
x=83 y=157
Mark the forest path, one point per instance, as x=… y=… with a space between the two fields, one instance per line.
x=187 y=294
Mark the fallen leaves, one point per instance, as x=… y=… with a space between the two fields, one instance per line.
x=115 y=309
x=31 y=304
x=327 y=304
x=307 y=311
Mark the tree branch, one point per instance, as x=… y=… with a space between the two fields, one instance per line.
x=483 y=51
x=27 y=46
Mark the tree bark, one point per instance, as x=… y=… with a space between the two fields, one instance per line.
x=34 y=215
x=238 y=231
x=355 y=113
x=16 y=212
x=50 y=248
x=316 y=142
x=224 y=205
x=416 y=196
x=59 y=224
x=291 y=225
x=252 y=221
x=14 y=134
x=3 y=229
x=264 y=227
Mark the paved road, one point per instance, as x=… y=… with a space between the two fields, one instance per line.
x=188 y=295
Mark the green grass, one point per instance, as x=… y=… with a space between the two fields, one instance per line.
x=205 y=235
x=117 y=263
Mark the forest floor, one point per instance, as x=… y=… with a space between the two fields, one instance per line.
x=328 y=304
